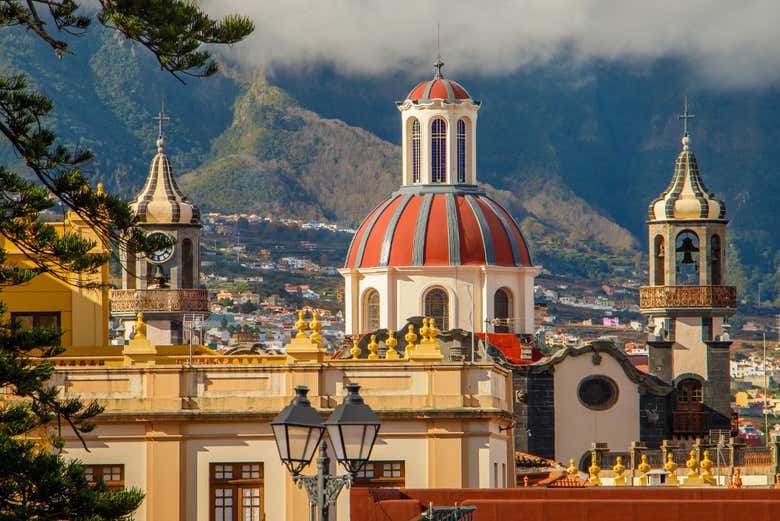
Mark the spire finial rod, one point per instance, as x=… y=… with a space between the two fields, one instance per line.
x=439 y=63
x=161 y=118
x=685 y=116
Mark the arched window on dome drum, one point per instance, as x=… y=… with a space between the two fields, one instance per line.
x=659 y=260
x=415 y=151
x=502 y=311
x=371 y=310
x=461 y=138
x=715 y=271
x=437 y=306
x=686 y=258
x=438 y=151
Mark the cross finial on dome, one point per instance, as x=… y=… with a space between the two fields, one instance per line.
x=160 y=119
x=439 y=63
x=685 y=116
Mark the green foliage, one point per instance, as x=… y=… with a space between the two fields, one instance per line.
x=35 y=481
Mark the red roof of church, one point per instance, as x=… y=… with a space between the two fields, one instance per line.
x=438 y=88
x=438 y=229
x=512 y=347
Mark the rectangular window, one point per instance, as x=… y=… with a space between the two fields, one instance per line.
x=113 y=476
x=381 y=474
x=29 y=320
x=236 y=491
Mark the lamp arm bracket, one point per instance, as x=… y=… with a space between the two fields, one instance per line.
x=333 y=487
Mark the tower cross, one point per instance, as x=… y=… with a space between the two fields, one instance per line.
x=160 y=118
x=685 y=116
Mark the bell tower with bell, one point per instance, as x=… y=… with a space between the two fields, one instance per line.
x=163 y=284
x=687 y=300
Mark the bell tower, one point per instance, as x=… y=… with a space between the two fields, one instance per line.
x=164 y=284
x=687 y=300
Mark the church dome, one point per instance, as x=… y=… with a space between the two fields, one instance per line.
x=455 y=228
x=161 y=201
x=438 y=89
x=686 y=196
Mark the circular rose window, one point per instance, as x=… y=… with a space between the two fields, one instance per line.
x=597 y=392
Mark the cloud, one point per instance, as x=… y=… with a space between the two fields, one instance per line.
x=727 y=43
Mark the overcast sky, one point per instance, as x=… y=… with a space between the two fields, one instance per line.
x=728 y=43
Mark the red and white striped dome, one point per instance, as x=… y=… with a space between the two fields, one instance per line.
x=457 y=228
x=438 y=89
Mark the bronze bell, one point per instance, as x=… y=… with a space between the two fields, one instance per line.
x=687 y=248
x=160 y=280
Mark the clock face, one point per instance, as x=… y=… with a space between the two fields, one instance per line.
x=162 y=255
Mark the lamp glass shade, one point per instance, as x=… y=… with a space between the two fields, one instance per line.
x=297 y=430
x=353 y=429
x=353 y=444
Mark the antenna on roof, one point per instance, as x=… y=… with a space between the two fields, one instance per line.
x=438 y=64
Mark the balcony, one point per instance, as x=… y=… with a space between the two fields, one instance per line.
x=129 y=301
x=690 y=422
x=654 y=297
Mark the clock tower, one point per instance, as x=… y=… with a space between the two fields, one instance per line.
x=163 y=284
x=688 y=300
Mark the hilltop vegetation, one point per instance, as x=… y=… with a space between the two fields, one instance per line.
x=575 y=155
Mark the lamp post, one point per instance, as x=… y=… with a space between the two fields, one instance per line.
x=299 y=429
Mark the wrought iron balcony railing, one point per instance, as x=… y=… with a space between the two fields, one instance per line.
x=134 y=300
x=653 y=297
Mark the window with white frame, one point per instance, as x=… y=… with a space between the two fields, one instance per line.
x=415 y=150
x=461 y=150
x=438 y=151
x=236 y=491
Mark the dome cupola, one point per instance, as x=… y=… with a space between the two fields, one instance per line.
x=161 y=201
x=686 y=197
x=439 y=120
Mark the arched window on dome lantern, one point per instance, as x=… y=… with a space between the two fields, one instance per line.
x=371 y=310
x=415 y=150
x=502 y=311
x=461 y=150
x=437 y=307
x=439 y=151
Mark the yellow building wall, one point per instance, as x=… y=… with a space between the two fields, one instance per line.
x=84 y=312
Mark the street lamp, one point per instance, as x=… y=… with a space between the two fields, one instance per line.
x=298 y=430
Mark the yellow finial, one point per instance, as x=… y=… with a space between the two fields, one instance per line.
x=140 y=326
x=424 y=331
x=706 y=467
x=100 y=189
x=594 y=470
x=619 y=469
x=410 y=338
x=300 y=325
x=643 y=468
x=432 y=332
x=315 y=325
x=355 y=351
x=391 y=342
x=693 y=465
x=572 y=470
x=671 y=470
x=373 y=347
x=736 y=479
